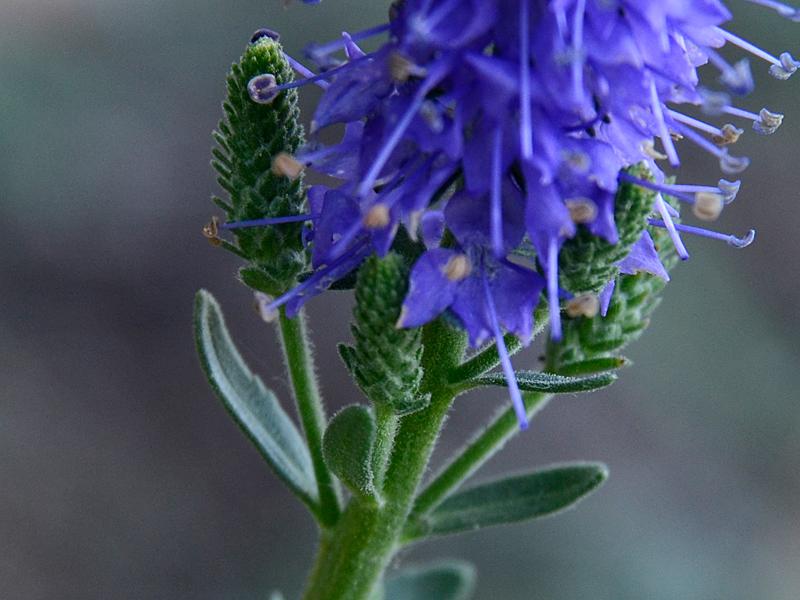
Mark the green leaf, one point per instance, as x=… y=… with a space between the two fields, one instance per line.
x=594 y=365
x=452 y=580
x=512 y=499
x=533 y=381
x=254 y=407
x=347 y=448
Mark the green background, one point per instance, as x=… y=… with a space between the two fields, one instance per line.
x=122 y=477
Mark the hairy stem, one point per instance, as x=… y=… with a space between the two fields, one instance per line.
x=300 y=364
x=387 y=422
x=353 y=556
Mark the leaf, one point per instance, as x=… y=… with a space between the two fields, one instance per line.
x=347 y=447
x=594 y=365
x=452 y=580
x=533 y=381
x=254 y=407
x=511 y=500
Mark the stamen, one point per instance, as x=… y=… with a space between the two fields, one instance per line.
x=782 y=68
x=767 y=122
x=577 y=48
x=394 y=138
x=584 y=305
x=505 y=359
x=308 y=75
x=730 y=135
x=265 y=33
x=263 y=89
x=377 y=217
x=266 y=221
x=581 y=210
x=729 y=164
x=211 y=232
x=552 y=290
x=401 y=68
x=737 y=77
x=732 y=240
x=782 y=9
x=649 y=148
x=708 y=206
x=526 y=119
x=262 y=302
x=286 y=165
x=663 y=132
x=457 y=268
x=318 y=52
x=497 y=206
x=729 y=189
x=671 y=228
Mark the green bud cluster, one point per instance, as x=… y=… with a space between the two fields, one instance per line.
x=588 y=262
x=249 y=138
x=592 y=344
x=385 y=360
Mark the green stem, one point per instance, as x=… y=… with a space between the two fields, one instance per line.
x=483 y=446
x=300 y=364
x=387 y=422
x=350 y=563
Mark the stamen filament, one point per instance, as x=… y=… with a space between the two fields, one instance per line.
x=732 y=240
x=671 y=228
x=266 y=221
x=526 y=120
x=552 y=290
x=497 y=207
x=317 y=51
x=663 y=132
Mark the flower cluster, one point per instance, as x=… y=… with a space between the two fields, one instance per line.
x=495 y=130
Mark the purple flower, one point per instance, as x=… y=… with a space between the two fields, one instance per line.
x=514 y=122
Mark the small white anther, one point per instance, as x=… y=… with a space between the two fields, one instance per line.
x=286 y=165
x=742 y=242
x=649 y=148
x=457 y=268
x=707 y=206
x=787 y=67
x=729 y=189
x=377 y=217
x=583 y=305
x=739 y=78
x=262 y=303
x=581 y=210
x=733 y=164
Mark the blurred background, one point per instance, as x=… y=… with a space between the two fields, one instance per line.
x=122 y=477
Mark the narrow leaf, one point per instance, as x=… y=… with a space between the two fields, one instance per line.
x=533 y=381
x=347 y=447
x=510 y=500
x=452 y=580
x=594 y=365
x=254 y=407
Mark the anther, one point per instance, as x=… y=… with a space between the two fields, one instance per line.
x=262 y=303
x=768 y=122
x=584 y=305
x=265 y=33
x=733 y=164
x=738 y=77
x=707 y=206
x=581 y=210
x=457 y=268
x=286 y=165
x=401 y=68
x=788 y=65
x=729 y=189
x=649 y=148
x=262 y=88
x=211 y=232
x=730 y=135
x=377 y=217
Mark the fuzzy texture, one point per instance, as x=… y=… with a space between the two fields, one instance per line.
x=248 y=139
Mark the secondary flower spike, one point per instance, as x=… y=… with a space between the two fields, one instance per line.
x=510 y=125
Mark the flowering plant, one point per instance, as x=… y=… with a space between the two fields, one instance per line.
x=504 y=166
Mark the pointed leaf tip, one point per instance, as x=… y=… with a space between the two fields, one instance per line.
x=510 y=500
x=253 y=406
